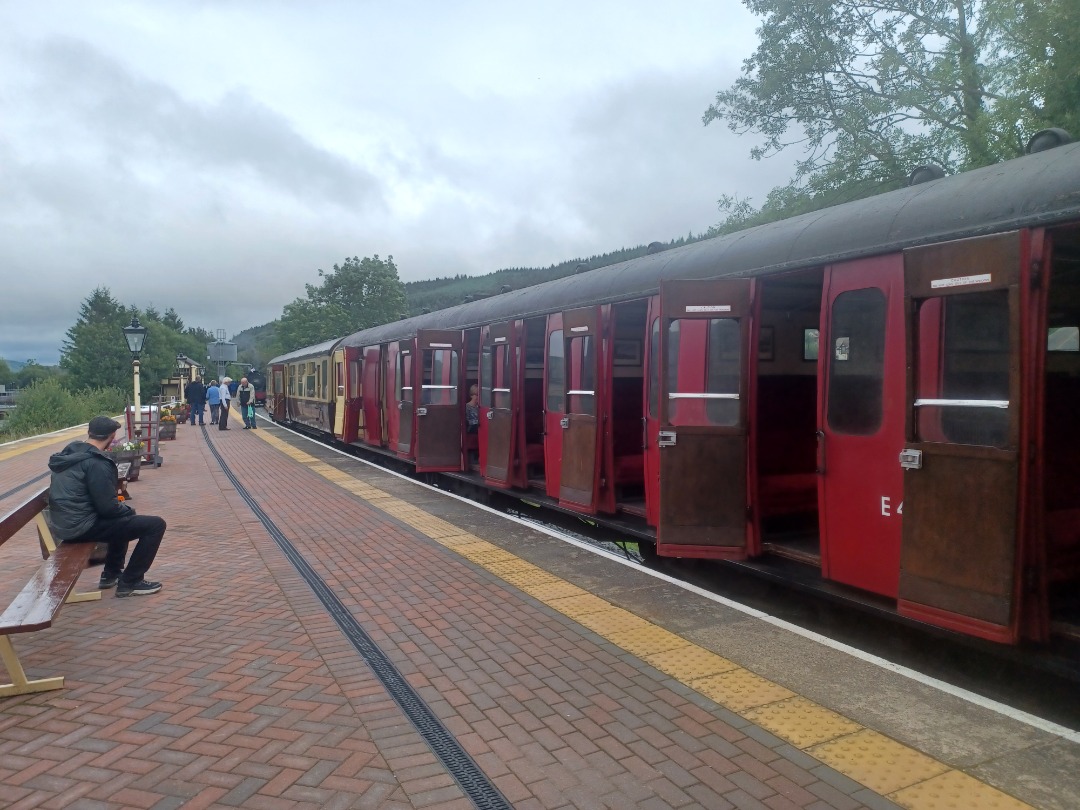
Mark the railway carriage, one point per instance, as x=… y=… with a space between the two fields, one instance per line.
x=884 y=391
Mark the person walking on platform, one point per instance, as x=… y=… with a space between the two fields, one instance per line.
x=223 y=417
x=195 y=394
x=245 y=393
x=213 y=398
x=83 y=508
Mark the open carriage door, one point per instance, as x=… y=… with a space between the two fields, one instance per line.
x=498 y=385
x=338 y=388
x=579 y=481
x=704 y=374
x=439 y=411
x=405 y=382
x=961 y=545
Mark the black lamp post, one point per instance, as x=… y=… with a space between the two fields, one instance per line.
x=135 y=335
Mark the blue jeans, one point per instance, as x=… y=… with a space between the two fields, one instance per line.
x=248 y=412
x=200 y=409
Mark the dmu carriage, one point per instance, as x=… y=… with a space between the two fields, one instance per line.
x=886 y=390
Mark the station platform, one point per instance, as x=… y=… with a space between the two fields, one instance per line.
x=331 y=635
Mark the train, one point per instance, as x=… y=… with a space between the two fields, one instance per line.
x=883 y=394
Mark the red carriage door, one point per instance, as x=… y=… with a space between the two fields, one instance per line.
x=497 y=390
x=277 y=405
x=704 y=373
x=554 y=403
x=406 y=387
x=652 y=414
x=439 y=413
x=960 y=553
x=579 y=481
x=372 y=393
x=860 y=427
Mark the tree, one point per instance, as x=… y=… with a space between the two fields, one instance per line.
x=356 y=295
x=6 y=377
x=871 y=90
x=94 y=353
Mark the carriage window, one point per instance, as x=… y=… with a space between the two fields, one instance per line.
x=325 y=378
x=809 y=344
x=487 y=373
x=500 y=377
x=857 y=361
x=354 y=379
x=1063 y=339
x=309 y=386
x=404 y=375
x=963 y=369
x=556 y=371
x=704 y=370
x=440 y=385
x=654 y=369
x=723 y=372
x=581 y=375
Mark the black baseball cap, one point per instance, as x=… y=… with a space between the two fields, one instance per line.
x=102 y=427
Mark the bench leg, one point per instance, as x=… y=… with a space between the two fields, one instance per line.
x=19 y=684
x=85 y=596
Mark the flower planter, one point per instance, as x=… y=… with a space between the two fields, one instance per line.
x=128 y=463
x=167 y=430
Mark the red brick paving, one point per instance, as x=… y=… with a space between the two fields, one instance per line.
x=234 y=688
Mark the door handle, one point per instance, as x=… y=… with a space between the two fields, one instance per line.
x=491 y=414
x=911 y=459
x=564 y=423
x=421 y=411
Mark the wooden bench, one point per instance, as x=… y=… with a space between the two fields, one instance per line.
x=40 y=600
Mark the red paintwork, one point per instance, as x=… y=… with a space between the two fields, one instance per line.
x=860 y=543
x=372 y=395
x=552 y=428
x=652 y=420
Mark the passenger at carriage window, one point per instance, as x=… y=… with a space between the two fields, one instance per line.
x=472 y=411
x=213 y=398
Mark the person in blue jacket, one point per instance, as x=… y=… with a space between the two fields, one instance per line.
x=213 y=398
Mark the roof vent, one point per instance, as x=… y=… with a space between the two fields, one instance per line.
x=654 y=247
x=924 y=174
x=1048 y=139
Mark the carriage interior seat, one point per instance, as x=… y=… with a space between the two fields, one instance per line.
x=787 y=444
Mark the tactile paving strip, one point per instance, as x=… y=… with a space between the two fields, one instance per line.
x=903 y=774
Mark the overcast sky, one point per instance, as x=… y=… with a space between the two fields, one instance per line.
x=213 y=156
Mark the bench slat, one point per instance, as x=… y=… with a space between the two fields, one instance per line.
x=22 y=514
x=43 y=596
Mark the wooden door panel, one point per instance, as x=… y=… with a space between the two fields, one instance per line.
x=703 y=453
x=438 y=400
x=580 y=475
x=578 y=461
x=962 y=539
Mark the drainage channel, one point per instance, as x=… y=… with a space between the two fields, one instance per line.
x=458 y=763
x=23 y=485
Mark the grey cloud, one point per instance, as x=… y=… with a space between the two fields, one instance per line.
x=136 y=120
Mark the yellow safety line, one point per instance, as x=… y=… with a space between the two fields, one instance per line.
x=65 y=435
x=892 y=769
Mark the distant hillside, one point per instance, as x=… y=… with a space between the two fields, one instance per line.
x=439 y=293
x=258 y=344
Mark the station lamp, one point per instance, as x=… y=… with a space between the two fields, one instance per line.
x=135 y=335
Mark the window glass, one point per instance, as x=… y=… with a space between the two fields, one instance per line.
x=309 y=388
x=654 y=369
x=724 y=371
x=500 y=393
x=325 y=379
x=963 y=369
x=487 y=373
x=556 y=371
x=581 y=375
x=1063 y=339
x=857 y=361
x=810 y=344
x=404 y=377
x=440 y=385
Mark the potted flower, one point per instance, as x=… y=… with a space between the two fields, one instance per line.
x=167 y=426
x=128 y=458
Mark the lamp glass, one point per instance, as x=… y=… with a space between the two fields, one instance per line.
x=135 y=335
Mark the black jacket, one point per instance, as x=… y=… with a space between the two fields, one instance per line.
x=195 y=393
x=83 y=490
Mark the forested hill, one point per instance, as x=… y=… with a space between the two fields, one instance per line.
x=439 y=293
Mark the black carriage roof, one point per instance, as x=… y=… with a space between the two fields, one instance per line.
x=1040 y=188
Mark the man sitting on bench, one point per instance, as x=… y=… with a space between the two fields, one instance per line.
x=83 y=508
